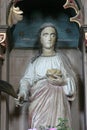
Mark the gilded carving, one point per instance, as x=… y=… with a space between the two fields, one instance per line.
x=86 y=39
x=2 y=39
x=78 y=18
x=2 y=44
x=15 y=14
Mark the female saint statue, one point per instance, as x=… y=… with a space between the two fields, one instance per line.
x=50 y=83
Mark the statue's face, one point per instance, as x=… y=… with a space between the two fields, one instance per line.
x=48 y=37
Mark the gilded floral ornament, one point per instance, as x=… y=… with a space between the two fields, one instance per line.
x=15 y=15
x=2 y=38
x=71 y=4
x=2 y=44
x=78 y=18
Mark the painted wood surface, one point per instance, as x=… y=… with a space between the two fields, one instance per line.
x=25 y=32
x=19 y=60
x=38 y=12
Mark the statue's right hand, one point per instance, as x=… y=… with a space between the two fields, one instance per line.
x=20 y=100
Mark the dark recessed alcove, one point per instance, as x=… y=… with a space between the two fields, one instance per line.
x=37 y=12
x=46 y=7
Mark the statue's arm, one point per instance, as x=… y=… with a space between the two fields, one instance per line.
x=70 y=79
x=25 y=84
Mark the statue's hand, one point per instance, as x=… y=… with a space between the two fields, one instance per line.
x=55 y=77
x=57 y=81
x=20 y=100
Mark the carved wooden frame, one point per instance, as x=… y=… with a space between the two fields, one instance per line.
x=78 y=18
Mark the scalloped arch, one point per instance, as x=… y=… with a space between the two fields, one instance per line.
x=78 y=18
x=74 y=4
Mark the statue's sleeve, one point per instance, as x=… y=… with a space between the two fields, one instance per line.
x=27 y=79
x=70 y=78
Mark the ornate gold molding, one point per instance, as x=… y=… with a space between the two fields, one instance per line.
x=2 y=39
x=84 y=35
x=15 y=14
x=2 y=45
x=86 y=39
x=78 y=18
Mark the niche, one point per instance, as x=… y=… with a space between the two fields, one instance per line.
x=37 y=12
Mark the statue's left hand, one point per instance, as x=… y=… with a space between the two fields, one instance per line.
x=57 y=81
x=55 y=77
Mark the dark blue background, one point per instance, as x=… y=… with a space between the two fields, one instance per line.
x=25 y=31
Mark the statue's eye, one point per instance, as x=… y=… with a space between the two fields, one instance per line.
x=45 y=34
x=53 y=35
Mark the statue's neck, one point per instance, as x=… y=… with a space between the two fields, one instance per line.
x=48 y=52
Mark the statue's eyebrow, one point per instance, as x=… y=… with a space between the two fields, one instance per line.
x=48 y=33
x=53 y=33
x=45 y=34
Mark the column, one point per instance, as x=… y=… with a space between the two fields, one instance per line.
x=3 y=50
x=84 y=28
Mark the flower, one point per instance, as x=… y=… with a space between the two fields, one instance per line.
x=52 y=128
x=32 y=129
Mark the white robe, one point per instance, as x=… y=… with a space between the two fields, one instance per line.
x=48 y=102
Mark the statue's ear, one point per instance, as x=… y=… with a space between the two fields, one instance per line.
x=7 y=88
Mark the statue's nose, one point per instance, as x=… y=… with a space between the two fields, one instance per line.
x=49 y=38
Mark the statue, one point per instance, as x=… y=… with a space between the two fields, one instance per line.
x=49 y=82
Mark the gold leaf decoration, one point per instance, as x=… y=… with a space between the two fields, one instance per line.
x=15 y=15
x=79 y=17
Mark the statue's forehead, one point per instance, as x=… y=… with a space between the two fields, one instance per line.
x=48 y=30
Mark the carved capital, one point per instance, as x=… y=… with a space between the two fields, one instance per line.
x=2 y=45
x=2 y=39
x=84 y=27
x=86 y=39
x=15 y=14
x=3 y=33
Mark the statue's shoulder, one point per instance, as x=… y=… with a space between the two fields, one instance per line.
x=35 y=58
x=63 y=57
x=61 y=54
